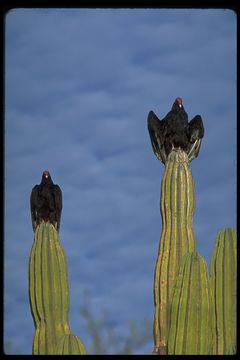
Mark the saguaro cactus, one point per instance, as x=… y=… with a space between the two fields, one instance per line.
x=223 y=284
x=70 y=345
x=190 y=329
x=48 y=290
x=177 y=238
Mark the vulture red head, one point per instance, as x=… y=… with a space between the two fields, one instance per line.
x=46 y=174
x=179 y=101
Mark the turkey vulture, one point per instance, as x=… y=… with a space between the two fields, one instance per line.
x=174 y=131
x=46 y=202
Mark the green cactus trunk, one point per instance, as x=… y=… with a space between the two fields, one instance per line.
x=48 y=290
x=190 y=331
x=177 y=238
x=70 y=345
x=223 y=284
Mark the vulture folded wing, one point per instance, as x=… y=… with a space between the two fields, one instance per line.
x=195 y=135
x=156 y=132
x=58 y=204
x=195 y=129
x=33 y=206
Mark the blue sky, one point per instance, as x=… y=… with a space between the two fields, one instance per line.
x=79 y=84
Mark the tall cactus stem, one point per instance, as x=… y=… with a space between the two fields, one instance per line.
x=177 y=238
x=48 y=289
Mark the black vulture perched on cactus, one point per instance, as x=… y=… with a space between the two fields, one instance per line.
x=46 y=202
x=174 y=131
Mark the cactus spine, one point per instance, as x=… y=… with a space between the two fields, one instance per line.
x=223 y=284
x=48 y=290
x=190 y=329
x=177 y=238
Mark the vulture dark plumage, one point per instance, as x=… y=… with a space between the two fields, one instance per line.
x=174 y=132
x=46 y=202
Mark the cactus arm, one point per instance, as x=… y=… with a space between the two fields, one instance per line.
x=190 y=317
x=70 y=345
x=179 y=316
x=223 y=285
